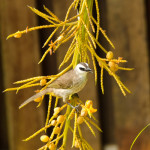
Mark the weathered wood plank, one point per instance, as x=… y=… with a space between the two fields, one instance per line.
x=127 y=29
x=19 y=61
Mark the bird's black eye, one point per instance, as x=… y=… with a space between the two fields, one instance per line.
x=83 y=69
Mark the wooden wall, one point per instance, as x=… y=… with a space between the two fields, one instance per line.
x=127 y=27
x=19 y=58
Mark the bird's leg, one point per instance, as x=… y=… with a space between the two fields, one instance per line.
x=73 y=107
x=73 y=97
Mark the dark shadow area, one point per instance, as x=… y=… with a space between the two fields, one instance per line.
x=147 y=4
x=105 y=100
x=3 y=119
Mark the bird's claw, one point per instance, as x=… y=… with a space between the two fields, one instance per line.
x=74 y=107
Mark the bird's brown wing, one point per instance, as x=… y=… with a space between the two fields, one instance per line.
x=63 y=82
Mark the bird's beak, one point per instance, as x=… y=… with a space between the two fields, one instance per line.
x=89 y=70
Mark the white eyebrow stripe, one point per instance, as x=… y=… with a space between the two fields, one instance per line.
x=84 y=65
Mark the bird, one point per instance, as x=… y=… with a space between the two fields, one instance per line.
x=66 y=85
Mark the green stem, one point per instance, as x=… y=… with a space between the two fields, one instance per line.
x=76 y=58
x=86 y=19
x=82 y=34
x=67 y=124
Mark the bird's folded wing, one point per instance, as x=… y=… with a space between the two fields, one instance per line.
x=63 y=82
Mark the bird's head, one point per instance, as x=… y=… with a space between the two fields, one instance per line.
x=82 y=68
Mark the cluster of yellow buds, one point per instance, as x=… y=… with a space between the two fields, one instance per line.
x=58 y=121
x=42 y=83
x=45 y=139
x=86 y=109
x=113 y=64
x=80 y=117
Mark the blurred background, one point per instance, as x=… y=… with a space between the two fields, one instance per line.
x=127 y=24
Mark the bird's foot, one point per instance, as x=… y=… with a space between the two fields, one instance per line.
x=74 y=107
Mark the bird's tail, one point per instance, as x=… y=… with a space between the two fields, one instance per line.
x=32 y=98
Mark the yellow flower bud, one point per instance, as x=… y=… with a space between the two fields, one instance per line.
x=77 y=144
x=43 y=82
x=18 y=34
x=57 y=110
x=60 y=38
x=39 y=99
x=52 y=146
x=109 y=55
x=113 y=66
x=100 y=64
x=84 y=112
x=53 y=122
x=60 y=118
x=111 y=63
x=57 y=130
x=80 y=120
x=88 y=103
x=92 y=110
x=44 y=138
x=37 y=91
